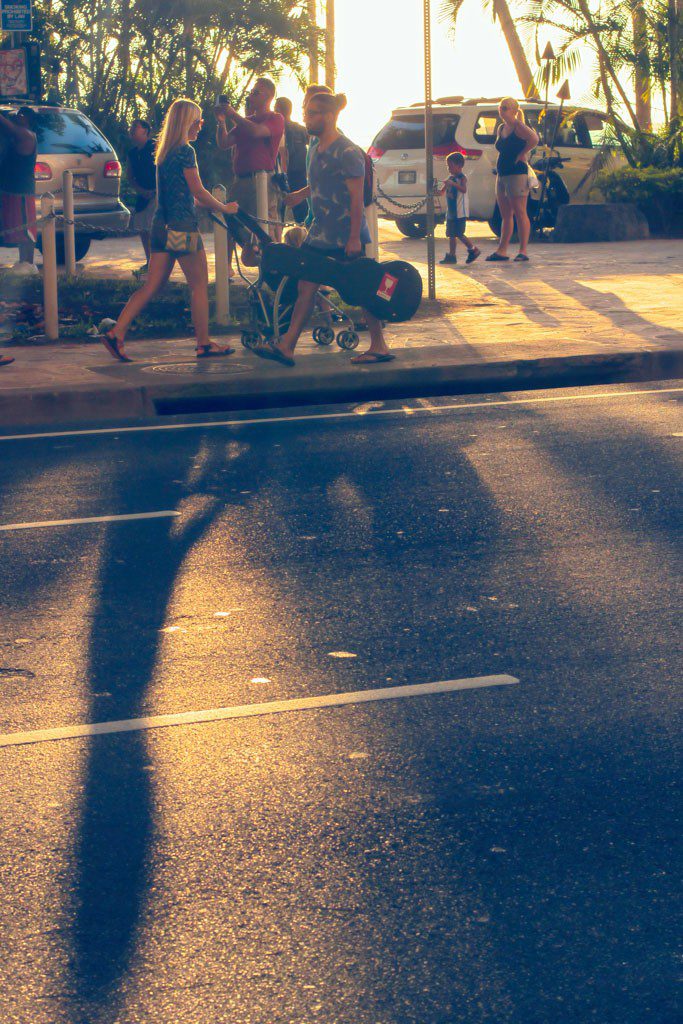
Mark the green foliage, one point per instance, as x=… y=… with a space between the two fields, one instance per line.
x=119 y=59
x=84 y=302
x=631 y=46
x=658 y=192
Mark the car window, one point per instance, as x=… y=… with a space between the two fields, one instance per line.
x=486 y=128
x=571 y=132
x=408 y=132
x=600 y=130
x=68 y=131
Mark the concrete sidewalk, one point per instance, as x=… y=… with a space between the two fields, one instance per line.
x=596 y=312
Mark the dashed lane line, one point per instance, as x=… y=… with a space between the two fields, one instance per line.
x=276 y=707
x=89 y=519
x=361 y=411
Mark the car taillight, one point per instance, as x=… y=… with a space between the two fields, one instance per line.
x=43 y=172
x=375 y=152
x=469 y=154
x=112 y=169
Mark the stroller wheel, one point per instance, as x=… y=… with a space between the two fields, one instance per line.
x=251 y=339
x=323 y=335
x=347 y=340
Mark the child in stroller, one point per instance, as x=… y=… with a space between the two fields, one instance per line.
x=273 y=295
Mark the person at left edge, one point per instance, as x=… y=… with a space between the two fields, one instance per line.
x=142 y=173
x=18 y=183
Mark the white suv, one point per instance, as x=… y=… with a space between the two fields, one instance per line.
x=469 y=126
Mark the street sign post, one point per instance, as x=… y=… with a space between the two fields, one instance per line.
x=429 y=151
x=16 y=15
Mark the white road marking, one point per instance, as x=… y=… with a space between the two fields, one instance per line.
x=354 y=414
x=90 y=519
x=275 y=707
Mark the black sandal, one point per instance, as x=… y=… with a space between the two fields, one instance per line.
x=521 y=257
x=6 y=360
x=207 y=352
x=112 y=343
x=495 y=257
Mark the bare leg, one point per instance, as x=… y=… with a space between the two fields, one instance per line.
x=160 y=267
x=26 y=252
x=378 y=345
x=519 y=204
x=231 y=253
x=144 y=238
x=508 y=226
x=196 y=274
x=302 y=311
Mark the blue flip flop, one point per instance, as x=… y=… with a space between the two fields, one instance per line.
x=376 y=358
x=274 y=354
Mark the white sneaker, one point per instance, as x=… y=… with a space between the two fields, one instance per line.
x=24 y=269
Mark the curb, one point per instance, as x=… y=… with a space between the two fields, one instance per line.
x=419 y=373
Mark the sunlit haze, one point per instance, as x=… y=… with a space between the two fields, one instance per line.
x=380 y=59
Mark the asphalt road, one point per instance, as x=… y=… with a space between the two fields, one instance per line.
x=502 y=854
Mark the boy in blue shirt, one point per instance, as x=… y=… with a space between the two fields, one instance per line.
x=458 y=209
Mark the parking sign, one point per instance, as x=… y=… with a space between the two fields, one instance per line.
x=17 y=15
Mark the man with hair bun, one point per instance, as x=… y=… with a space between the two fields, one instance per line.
x=338 y=228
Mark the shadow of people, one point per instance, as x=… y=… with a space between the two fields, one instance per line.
x=111 y=864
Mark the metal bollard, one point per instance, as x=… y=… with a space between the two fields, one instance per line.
x=220 y=242
x=262 y=198
x=69 y=226
x=50 y=300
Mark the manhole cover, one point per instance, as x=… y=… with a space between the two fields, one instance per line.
x=201 y=369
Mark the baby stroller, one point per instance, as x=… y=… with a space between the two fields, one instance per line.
x=273 y=295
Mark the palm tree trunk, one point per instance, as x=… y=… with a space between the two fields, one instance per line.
x=188 y=44
x=674 y=28
x=643 y=83
x=605 y=63
x=312 y=12
x=501 y=11
x=330 y=67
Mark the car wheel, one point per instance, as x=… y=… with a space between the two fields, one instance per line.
x=82 y=246
x=412 y=227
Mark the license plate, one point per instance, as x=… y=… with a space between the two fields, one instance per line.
x=407 y=177
x=80 y=182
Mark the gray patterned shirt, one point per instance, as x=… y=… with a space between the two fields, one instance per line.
x=330 y=198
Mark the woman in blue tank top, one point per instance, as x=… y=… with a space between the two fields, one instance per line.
x=514 y=143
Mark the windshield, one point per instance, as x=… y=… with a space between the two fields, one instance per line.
x=67 y=131
x=408 y=132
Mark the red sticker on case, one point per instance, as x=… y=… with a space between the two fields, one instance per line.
x=387 y=287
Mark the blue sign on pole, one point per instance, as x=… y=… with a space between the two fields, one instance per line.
x=17 y=15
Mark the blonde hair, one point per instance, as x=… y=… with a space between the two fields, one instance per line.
x=179 y=118
x=510 y=101
x=329 y=102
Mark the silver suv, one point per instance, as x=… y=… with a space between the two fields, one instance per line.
x=469 y=126
x=68 y=140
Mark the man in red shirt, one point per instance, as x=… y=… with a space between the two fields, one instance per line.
x=256 y=139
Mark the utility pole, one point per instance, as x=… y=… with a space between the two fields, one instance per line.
x=330 y=70
x=429 y=151
x=312 y=12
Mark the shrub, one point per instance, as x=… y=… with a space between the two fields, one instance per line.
x=657 y=192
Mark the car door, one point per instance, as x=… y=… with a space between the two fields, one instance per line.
x=481 y=177
x=572 y=143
